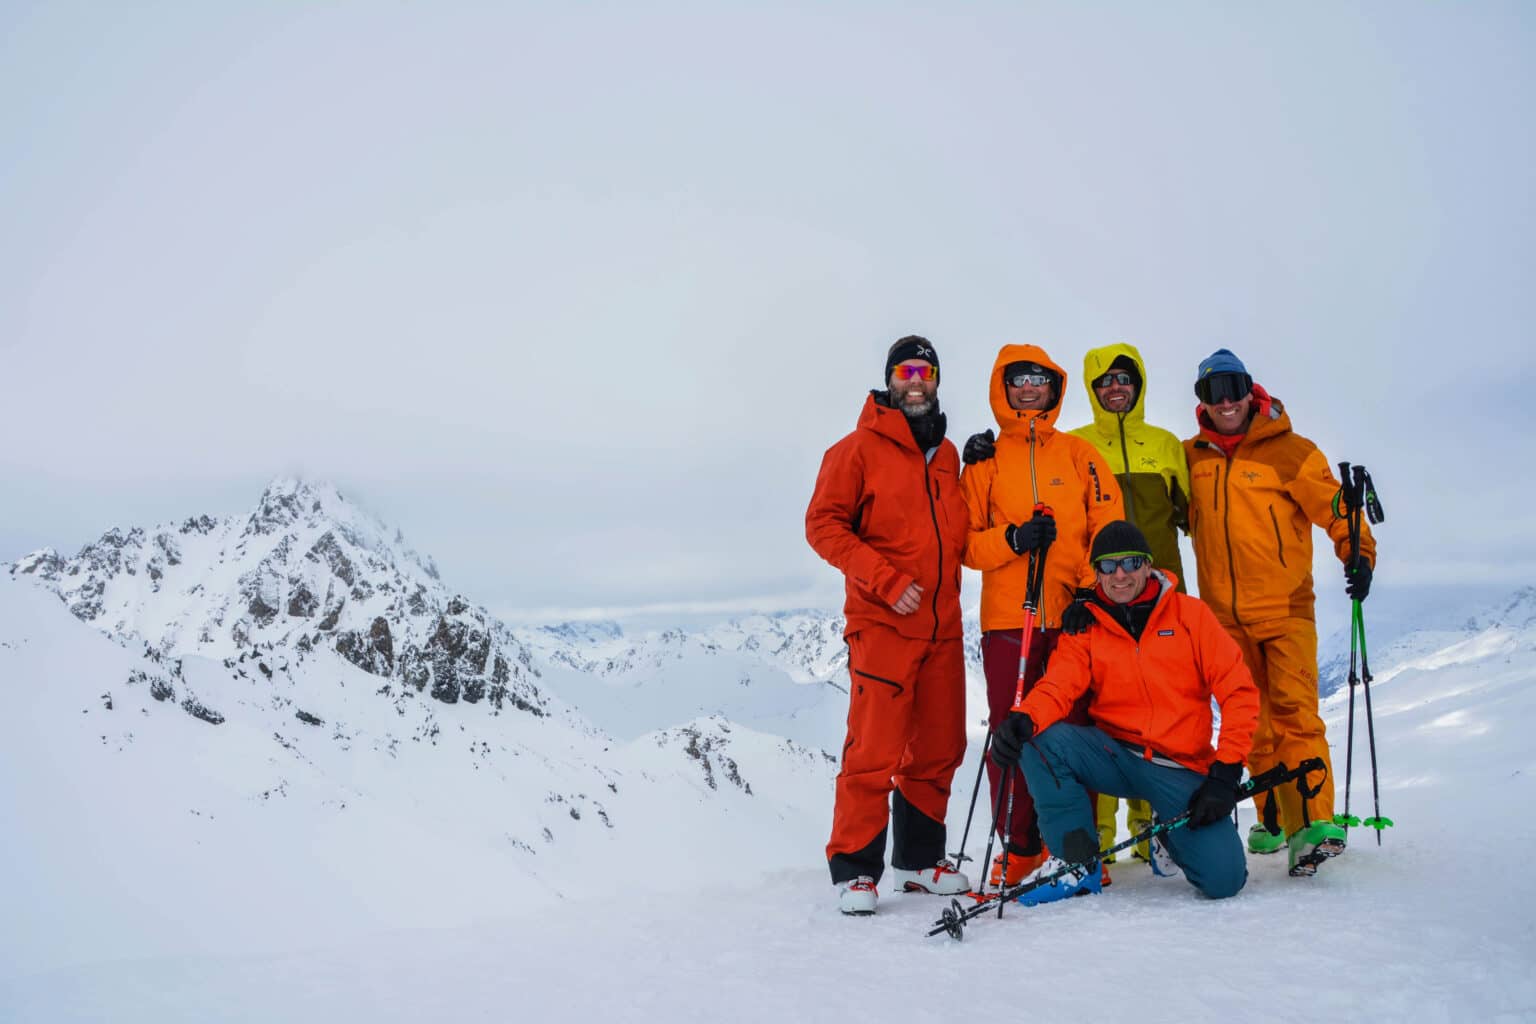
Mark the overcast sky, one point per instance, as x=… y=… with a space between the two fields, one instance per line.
x=578 y=294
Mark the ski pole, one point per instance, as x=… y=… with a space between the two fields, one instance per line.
x=955 y=916
x=959 y=854
x=1368 y=504
x=1351 y=511
x=1034 y=580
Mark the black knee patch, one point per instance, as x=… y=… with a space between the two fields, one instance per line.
x=1079 y=846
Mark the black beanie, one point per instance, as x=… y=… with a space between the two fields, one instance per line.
x=1126 y=363
x=913 y=346
x=1120 y=538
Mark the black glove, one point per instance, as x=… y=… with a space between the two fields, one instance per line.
x=1037 y=533
x=979 y=448
x=1358 y=583
x=1077 y=617
x=1009 y=738
x=1217 y=796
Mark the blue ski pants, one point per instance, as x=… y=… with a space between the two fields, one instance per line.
x=1065 y=761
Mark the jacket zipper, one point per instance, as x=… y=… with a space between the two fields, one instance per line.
x=938 y=536
x=1226 y=529
x=1278 y=541
x=1125 y=456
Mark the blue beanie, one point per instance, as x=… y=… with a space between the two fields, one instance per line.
x=1221 y=361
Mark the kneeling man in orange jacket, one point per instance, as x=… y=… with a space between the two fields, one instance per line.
x=1152 y=660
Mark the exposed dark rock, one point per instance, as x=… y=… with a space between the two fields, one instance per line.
x=202 y=524
x=327 y=550
x=261 y=612
x=201 y=711
x=374 y=653
x=416 y=604
x=301 y=603
x=307 y=718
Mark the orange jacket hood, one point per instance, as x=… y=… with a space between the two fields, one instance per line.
x=1010 y=419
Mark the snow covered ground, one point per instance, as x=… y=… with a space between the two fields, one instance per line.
x=123 y=901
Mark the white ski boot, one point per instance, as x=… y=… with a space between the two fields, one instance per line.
x=939 y=880
x=857 y=896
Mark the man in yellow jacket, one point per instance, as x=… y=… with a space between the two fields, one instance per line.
x=1256 y=490
x=1031 y=464
x=1153 y=474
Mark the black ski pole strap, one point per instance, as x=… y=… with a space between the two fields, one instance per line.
x=1316 y=765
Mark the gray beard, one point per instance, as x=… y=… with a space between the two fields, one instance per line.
x=913 y=412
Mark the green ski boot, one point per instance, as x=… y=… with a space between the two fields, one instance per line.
x=1313 y=845
x=1262 y=840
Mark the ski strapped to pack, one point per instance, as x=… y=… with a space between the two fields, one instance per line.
x=954 y=918
x=1357 y=498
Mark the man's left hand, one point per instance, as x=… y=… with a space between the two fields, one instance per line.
x=1217 y=796
x=1358 y=583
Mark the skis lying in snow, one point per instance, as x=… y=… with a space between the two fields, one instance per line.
x=954 y=918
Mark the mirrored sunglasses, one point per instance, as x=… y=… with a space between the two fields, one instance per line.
x=1114 y=377
x=916 y=371
x=1034 y=380
x=1223 y=387
x=1130 y=563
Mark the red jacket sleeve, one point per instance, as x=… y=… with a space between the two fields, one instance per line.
x=829 y=525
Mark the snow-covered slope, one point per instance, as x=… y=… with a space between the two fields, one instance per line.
x=308 y=810
x=213 y=813
x=120 y=884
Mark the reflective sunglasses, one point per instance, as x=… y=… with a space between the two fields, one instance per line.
x=1117 y=377
x=1223 y=387
x=1130 y=563
x=1036 y=380
x=918 y=371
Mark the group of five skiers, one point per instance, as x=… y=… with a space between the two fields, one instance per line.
x=1109 y=695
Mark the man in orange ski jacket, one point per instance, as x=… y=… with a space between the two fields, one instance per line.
x=1257 y=489
x=1150 y=662
x=1031 y=464
x=887 y=513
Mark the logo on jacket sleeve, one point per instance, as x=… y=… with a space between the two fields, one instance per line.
x=1165 y=632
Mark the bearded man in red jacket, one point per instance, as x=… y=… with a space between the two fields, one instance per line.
x=887 y=512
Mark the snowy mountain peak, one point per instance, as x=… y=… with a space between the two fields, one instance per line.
x=307 y=573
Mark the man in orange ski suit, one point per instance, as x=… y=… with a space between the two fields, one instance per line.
x=1257 y=489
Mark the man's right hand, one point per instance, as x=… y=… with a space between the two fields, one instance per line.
x=1008 y=739
x=910 y=600
x=979 y=448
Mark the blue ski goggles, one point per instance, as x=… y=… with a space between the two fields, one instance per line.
x=1130 y=563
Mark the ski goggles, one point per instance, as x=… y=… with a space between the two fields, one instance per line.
x=1116 y=377
x=1130 y=563
x=1223 y=387
x=1023 y=378
x=916 y=371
